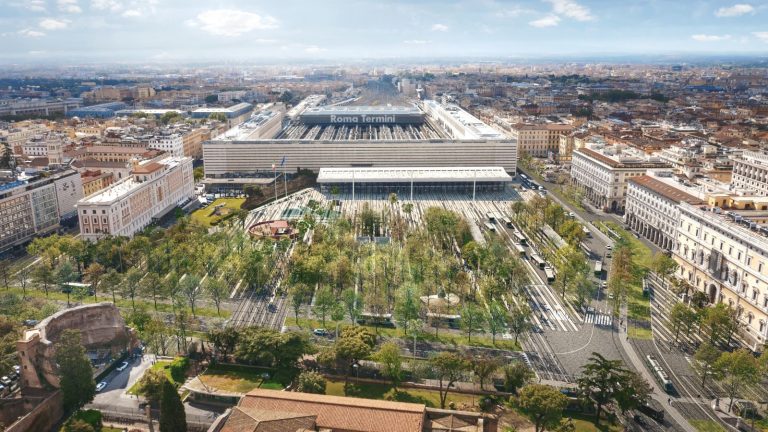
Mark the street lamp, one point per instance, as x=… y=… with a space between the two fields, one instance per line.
x=356 y=367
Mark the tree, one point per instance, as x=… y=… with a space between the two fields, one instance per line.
x=496 y=318
x=407 y=208
x=389 y=357
x=516 y=375
x=520 y=320
x=720 y=322
x=472 y=320
x=484 y=367
x=663 y=265
x=224 y=341
x=299 y=295
x=64 y=275
x=23 y=276
x=570 y=262
x=5 y=272
x=324 y=302
x=93 y=275
x=706 y=357
x=190 y=288
x=633 y=391
x=311 y=382
x=217 y=291
x=448 y=368
x=679 y=317
x=44 y=277
x=151 y=385
x=354 y=345
x=151 y=285
x=112 y=281
x=211 y=99
x=74 y=370
x=602 y=380
x=130 y=285
x=353 y=303
x=737 y=368
x=621 y=275
x=172 y=415
x=542 y=404
x=407 y=304
x=170 y=117
x=198 y=173
x=158 y=336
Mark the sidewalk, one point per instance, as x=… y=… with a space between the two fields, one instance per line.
x=657 y=394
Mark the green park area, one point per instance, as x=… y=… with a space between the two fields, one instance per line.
x=217 y=211
x=238 y=379
x=429 y=398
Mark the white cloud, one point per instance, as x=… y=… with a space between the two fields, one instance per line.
x=110 y=5
x=31 y=33
x=314 y=49
x=54 y=24
x=40 y=52
x=547 y=21
x=231 y=22
x=35 y=5
x=512 y=12
x=417 y=41
x=69 y=6
x=735 y=10
x=439 y=27
x=763 y=36
x=571 y=9
x=132 y=13
x=710 y=38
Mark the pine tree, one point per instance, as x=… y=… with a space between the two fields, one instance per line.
x=77 y=385
x=172 y=416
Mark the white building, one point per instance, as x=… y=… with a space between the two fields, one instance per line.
x=750 y=171
x=725 y=255
x=128 y=206
x=652 y=206
x=172 y=144
x=602 y=172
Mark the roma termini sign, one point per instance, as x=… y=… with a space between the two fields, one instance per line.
x=362 y=118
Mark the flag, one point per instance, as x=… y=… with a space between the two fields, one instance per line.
x=282 y=162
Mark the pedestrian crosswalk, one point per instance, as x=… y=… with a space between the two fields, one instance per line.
x=600 y=319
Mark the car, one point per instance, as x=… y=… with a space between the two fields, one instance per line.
x=608 y=247
x=604 y=285
x=610 y=296
x=546 y=308
x=320 y=332
x=100 y=386
x=17 y=368
x=5 y=381
x=122 y=366
x=608 y=254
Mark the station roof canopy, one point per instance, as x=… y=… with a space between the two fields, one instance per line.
x=363 y=109
x=415 y=174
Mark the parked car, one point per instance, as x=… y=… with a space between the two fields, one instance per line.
x=122 y=366
x=100 y=386
x=320 y=332
x=5 y=381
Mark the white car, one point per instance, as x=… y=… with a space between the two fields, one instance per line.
x=100 y=386
x=320 y=332
x=122 y=366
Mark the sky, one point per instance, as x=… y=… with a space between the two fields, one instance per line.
x=250 y=30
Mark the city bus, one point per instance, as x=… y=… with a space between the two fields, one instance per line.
x=491 y=217
x=507 y=222
x=520 y=238
x=539 y=262
x=489 y=226
x=549 y=273
x=598 y=267
x=375 y=319
x=587 y=232
x=69 y=287
x=520 y=249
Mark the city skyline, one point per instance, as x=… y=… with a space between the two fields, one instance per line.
x=170 y=30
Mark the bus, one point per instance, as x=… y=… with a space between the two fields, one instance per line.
x=69 y=287
x=587 y=232
x=507 y=222
x=375 y=319
x=549 y=273
x=520 y=249
x=489 y=226
x=520 y=238
x=491 y=217
x=658 y=373
x=539 y=262
x=598 y=268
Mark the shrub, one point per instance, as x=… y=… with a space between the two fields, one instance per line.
x=178 y=369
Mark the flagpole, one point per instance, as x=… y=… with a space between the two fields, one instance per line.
x=285 y=181
x=274 y=168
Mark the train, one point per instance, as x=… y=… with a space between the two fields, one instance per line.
x=659 y=373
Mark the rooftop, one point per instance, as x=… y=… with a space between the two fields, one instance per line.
x=360 y=109
x=417 y=174
x=666 y=190
x=622 y=159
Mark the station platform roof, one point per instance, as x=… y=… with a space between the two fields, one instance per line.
x=415 y=174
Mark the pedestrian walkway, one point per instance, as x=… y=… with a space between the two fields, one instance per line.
x=599 y=319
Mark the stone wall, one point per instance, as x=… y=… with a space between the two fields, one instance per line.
x=100 y=324
x=42 y=417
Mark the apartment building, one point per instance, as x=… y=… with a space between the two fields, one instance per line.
x=539 y=140
x=36 y=205
x=725 y=255
x=153 y=189
x=173 y=144
x=94 y=181
x=750 y=171
x=192 y=141
x=603 y=171
x=570 y=142
x=17 y=136
x=652 y=206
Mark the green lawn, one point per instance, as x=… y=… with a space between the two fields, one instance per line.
x=240 y=381
x=638 y=305
x=429 y=398
x=706 y=426
x=159 y=365
x=444 y=336
x=586 y=423
x=206 y=216
x=640 y=333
